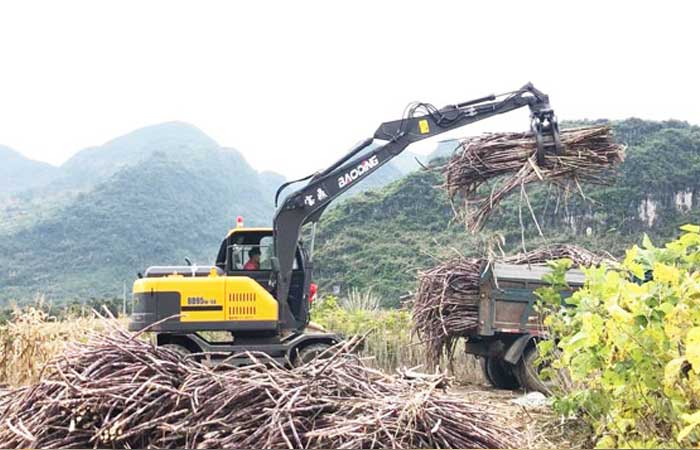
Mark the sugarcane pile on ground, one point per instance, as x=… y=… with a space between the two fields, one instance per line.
x=446 y=304
x=120 y=392
x=587 y=155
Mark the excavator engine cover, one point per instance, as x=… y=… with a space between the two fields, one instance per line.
x=179 y=303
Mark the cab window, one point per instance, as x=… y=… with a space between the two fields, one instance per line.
x=249 y=257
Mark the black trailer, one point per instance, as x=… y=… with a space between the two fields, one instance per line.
x=509 y=327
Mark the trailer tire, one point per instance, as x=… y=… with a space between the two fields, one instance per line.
x=499 y=373
x=527 y=372
x=484 y=372
x=309 y=353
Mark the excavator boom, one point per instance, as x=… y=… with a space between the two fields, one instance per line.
x=421 y=121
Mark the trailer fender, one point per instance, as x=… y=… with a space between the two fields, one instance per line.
x=515 y=351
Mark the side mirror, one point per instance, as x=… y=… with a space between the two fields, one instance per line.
x=188 y=261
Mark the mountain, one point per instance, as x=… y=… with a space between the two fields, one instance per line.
x=18 y=173
x=381 y=238
x=180 y=140
x=443 y=149
x=151 y=198
x=270 y=181
x=89 y=167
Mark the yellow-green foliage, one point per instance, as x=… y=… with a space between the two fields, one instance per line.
x=632 y=347
x=388 y=343
x=32 y=338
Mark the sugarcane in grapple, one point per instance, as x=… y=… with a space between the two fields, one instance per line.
x=510 y=161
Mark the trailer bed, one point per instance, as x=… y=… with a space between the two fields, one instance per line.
x=507 y=297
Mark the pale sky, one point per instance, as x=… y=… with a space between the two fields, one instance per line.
x=293 y=85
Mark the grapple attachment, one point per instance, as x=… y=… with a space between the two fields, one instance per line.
x=545 y=127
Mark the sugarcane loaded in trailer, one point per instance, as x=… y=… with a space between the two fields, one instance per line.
x=265 y=308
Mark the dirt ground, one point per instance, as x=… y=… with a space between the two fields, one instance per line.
x=540 y=427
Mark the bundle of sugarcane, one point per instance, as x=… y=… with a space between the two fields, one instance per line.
x=120 y=392
x=587 y=155
x=579 y=256
x=446 y=304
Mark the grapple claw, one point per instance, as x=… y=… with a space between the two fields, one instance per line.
x=545 y=127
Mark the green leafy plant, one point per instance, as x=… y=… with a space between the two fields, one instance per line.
x=388 y=339
x=629 y=342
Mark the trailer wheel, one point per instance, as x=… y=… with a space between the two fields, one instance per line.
x=484 y=372
x=499 y=373
x=527 y=371
x=309 y=353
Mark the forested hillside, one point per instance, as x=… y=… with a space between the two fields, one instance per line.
x=380 y=238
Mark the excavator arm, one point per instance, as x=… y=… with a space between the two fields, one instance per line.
x=421 y=121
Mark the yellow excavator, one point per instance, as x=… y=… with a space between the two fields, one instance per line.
x=260 y=288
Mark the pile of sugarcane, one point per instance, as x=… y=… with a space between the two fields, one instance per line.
x=579 y=256
x=120 y=392
x=510 y=160
x=446 y=304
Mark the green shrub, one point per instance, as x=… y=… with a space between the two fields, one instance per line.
x=629 y=342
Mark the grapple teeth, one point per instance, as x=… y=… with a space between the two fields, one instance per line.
x=545 y=127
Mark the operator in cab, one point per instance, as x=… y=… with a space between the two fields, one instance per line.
x=253 y=262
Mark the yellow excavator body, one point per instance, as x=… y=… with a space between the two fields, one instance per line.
x=213 y=298
x=199 y=298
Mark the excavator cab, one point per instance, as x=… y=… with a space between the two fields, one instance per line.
x=236 y=258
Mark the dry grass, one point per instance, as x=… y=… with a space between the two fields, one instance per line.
x=390 y=352
x=361 y=300
x=538 y=426
x=389 y=343
x=32 y=338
